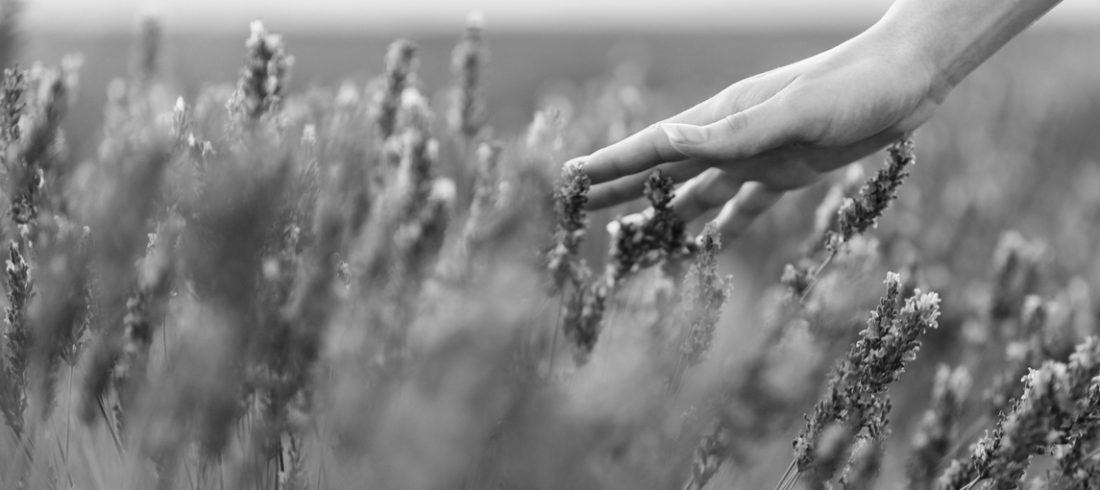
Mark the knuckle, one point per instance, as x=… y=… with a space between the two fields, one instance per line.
x=758 y=201
x=736 y=122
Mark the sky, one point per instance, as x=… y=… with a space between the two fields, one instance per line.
x=389 y=16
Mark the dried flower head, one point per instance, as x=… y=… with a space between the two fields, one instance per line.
x=416 y=169
x=708 y=457
x=400 y=74
x=468 y=60
x=41 y=135
x=415 y=112
x=146 y=59
x=570 y=199
x=12 y=104
x=584 y=316
x=17 y=341
x=704 y=293
x=856 y=393
x=858 y=214
x=420 y=237
x=938 y=429
x=1076 y=456
x=1016 y=274
x=637 y=241
x=1051 y=404
x=827 y=213
x=797 y=281
x=863 y=466
x=264 y=78
x=643 y=240
x=544 y=133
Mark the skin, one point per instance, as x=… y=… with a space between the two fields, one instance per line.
x=782 y=130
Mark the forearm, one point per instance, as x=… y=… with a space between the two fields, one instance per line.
x=955 y=36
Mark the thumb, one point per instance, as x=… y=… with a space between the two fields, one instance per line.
x=742 y=135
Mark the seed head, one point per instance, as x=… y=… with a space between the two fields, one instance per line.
x=863 y=466
x=1055 y=398
x=400 y=74
x=856 y=393
x=17 y=341
x=857 y=214
x=146 y=60
x=704 y=294
x=938 y=429
x=643 y=240
x=1016 y=274
x=264 y=78
x=468 y=61
x=12 y=105
x=570 y=199
x=584 y=316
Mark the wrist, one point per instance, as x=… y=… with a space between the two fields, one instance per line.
x=897 y=42
x=952 y=37
x=913 y=39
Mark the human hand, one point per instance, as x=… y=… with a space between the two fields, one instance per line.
x=775 y=132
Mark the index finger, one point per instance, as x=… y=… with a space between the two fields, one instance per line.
x=639 y=152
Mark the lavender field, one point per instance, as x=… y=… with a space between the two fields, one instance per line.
x=299 y=262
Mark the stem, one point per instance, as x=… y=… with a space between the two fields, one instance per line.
x=815 y=275
x=786 y=477
x=554 y=338
x=110 y=425
x=68 y=413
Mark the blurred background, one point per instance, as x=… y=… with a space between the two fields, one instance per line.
x=687 y=49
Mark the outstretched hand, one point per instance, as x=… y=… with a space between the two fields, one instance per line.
x=774 y=132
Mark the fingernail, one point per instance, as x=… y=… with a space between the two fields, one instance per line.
x=684 y=134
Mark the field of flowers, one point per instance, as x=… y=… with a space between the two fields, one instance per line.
x=369 y=286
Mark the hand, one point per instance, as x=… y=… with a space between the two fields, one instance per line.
x=775 y=132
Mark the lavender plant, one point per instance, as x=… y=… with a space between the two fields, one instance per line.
x=938 y=430
x=17 y=339
x=855 y=215
x=147 y=58
x=264 y=78
x=468 y=112
x=258 y=307
x=637 y=242
x=1049 y=404
x=570 y=199
x=855 y=396
x=400 y=74
x=705 y=291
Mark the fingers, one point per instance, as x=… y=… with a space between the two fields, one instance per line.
x=742 y=135
x=743 y=201
x=639 y=152
x=706 y=191
x=630 y=187
x=739 y=213
x=794 y=167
